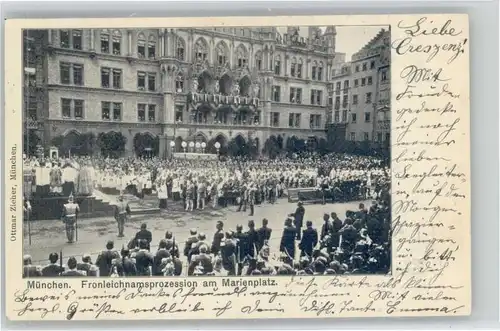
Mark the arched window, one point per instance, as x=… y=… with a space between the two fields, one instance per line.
x=314 y=70
x=293 y=67
x=141 y=46
x=242 y=56
x=320 y=71
x=201 y=50
x=151 y=47
x=258 y=60
x=180 y=49
x=299 y=68
x=179 y=82
x=277 y=65
x=117 y=42
x=104 y=41
x=222 y=53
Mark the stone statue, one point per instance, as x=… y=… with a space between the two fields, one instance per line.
x=195 y=85
x=256 y=89
x=216 y=87
x=236 y=89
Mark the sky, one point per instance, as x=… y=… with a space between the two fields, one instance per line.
x=350 y=39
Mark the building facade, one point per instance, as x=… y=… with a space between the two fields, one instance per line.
x=361 y=92
x=175 y=85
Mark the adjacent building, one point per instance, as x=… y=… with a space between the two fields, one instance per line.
x=361 y=94
x=176 y=85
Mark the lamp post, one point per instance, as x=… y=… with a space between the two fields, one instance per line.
x=172 y=149
x=184 y=145
x=197 y=145
x=191 y=146
x=203 y=146
x=217 y=146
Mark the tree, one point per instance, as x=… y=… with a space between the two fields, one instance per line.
x=111 y=144
x=30 y=142
x=271 y=147
x=323 y=146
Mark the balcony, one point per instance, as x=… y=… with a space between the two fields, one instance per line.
x=383 y=125
x=32 y=124
x=217 y=100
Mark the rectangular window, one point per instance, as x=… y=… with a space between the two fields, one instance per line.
x=117 y=111
x=337 y=102
x=105 y=73
x=104 y=43
x=259 y=64
x=354 y=99
x=275 y=119
x=354 y=118
x=363 y=81
x=277 y=67
x=313 y=97
x=141 y=81
x=141 y=112
x=319 y=98
x=353 y=136
x=277 y=93
x=64 y=35
x=320 y=73
x=151 y=82
x=66 y=108
x=338 y=87
x=314 y=121
x=117 y=47
x=368 y=97
x=65 y=69
x=152 y=50
x=117 y=78
x=313 y=73
x=77 y=39
x=105 y=110
x=366 y=136
x=368 y=117
x=298 y=95
x=152 y=113
x=364 y=66
x=337 y=116
x=179 y=114
x=384 y=76
x=78 y=109
x=356 y=83
x=345 y=101
x=330 y=101
x=292 y=70
x=299 y=70
x=344 y=116
x=370 y=80
x=357 y=68
x=297 y=120
x=372 y=65
x=141 y=49
x=77 y=74
x=179 y=84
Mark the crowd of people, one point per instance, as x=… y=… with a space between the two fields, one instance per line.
x=357 y=244
x=220 y=183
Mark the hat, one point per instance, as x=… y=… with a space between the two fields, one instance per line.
x=193 y=231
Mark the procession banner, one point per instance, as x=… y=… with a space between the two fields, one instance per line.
x=430 y=149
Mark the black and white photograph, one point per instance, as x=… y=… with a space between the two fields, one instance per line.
x=226 y=151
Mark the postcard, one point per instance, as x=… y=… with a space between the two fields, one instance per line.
x=237 y=167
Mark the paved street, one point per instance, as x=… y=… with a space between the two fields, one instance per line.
x=49 y=236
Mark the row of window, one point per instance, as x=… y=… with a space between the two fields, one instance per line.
x=110 y=43
x=354 y=117
x=296 y=69
x=364 y=66
x=366 y=136
x=74 y=108
x=296 y=95
x=355 y=100
x=294 y=120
